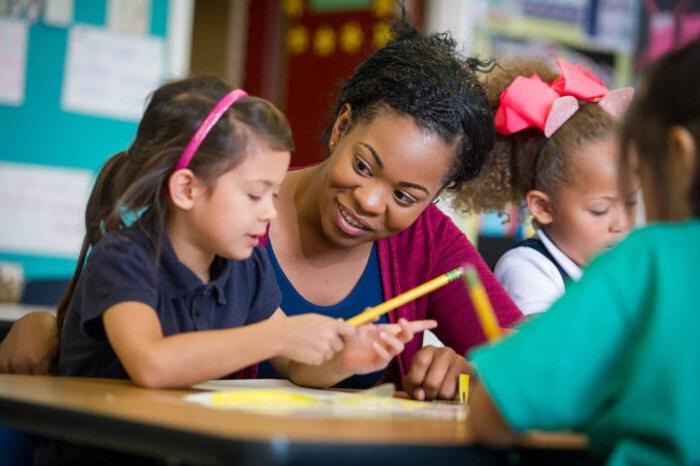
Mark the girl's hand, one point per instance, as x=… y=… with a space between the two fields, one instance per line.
x=374 y=346
x=312 y=338
x=434 y=373
x=31 y=345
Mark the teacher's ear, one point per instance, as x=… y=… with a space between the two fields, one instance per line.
x=341 y=126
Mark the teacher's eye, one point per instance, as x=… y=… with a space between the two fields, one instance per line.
x=599 y=213
x=362 y=167
x=254 y=198
x=404 y=199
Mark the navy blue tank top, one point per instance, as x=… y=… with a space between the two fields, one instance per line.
x=367 y=292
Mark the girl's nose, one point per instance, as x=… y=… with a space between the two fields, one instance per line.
x=269 y=212
x=621 y=221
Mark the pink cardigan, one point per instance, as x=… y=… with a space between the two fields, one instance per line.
x=432 y=246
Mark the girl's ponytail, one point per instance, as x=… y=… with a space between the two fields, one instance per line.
x=100 y=205
x=132 y=187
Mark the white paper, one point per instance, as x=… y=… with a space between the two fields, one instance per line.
x=58 y=12
x=226 y=385
x=282 y=398
x=110 y=74
x=13 y=61
x=43 y=209
x=132 y=16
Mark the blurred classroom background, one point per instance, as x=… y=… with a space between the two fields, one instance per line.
x=75 y=74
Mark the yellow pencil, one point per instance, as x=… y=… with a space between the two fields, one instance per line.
x=463 y=389
x=371 y=313
x=482 y=304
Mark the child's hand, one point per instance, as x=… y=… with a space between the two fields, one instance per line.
x=374 y=346
x=313 y=338
x=434 y=373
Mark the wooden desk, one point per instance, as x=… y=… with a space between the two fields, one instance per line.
x=119 y=415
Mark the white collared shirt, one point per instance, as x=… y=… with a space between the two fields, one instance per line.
x=531 y=279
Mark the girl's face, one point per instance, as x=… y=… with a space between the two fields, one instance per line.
x=230 y=220
x=590 y=215
x=380 y=177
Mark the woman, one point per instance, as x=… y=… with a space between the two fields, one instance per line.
x=362 y=227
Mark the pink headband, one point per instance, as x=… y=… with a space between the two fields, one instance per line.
x=211 y=119
x=531 y=102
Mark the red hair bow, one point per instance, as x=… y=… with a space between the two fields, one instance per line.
x=532 y=103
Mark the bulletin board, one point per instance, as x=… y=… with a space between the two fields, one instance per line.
x=41 y=131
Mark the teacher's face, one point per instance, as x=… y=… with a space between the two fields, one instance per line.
x=380 y=176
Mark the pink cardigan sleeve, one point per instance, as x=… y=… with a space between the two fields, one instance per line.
x=458 y=325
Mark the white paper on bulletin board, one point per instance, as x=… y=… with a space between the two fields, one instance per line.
x=13 y=61
x=110 y=74
x=58 y=13
x=129 y=16
x=43 y=209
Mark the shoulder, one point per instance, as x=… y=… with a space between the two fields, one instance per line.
x=436 y=218
x=654 y=240
x=432 y=227
x=432 y=239
x=523 y=260
x=663 y=235
x=529 y=278
x=128 y=246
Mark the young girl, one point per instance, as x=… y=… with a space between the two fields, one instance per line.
x=183 y=294
x=556 y=153
x=618 y=356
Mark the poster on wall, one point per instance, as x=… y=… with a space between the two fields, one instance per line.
x=13 y=61
x=602 y=24
x=109 y=73
x=46 y=205
x=58 y=13
x=132 y=16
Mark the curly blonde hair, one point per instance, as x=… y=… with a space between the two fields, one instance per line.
x=527 y=160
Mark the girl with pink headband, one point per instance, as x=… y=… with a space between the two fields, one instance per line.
x=556 y=154
x=175 y=290
x=182 y=293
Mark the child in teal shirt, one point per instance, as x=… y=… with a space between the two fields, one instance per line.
x=618 y=357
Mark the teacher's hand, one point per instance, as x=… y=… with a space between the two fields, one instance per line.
x=434 y=373
x=31 y=345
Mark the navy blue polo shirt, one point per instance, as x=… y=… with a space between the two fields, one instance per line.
x=123 y=266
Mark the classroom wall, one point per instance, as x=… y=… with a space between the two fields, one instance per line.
x=41 y=132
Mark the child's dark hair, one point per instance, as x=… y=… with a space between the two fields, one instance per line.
x=134 y=182
x=425 y=78
x=669 y=96
x=527 y=160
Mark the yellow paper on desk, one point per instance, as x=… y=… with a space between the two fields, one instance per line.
x=377 y=402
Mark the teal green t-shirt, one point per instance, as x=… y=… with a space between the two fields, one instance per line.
x=617 y=357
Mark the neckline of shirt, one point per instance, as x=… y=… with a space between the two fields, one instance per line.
x=569 y=266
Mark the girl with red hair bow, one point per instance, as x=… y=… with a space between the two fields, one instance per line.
x=556 y=153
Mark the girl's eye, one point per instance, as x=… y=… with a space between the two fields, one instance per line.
x=362 y=167
x=254 y=198
x=599 y=213
x=404 y=199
